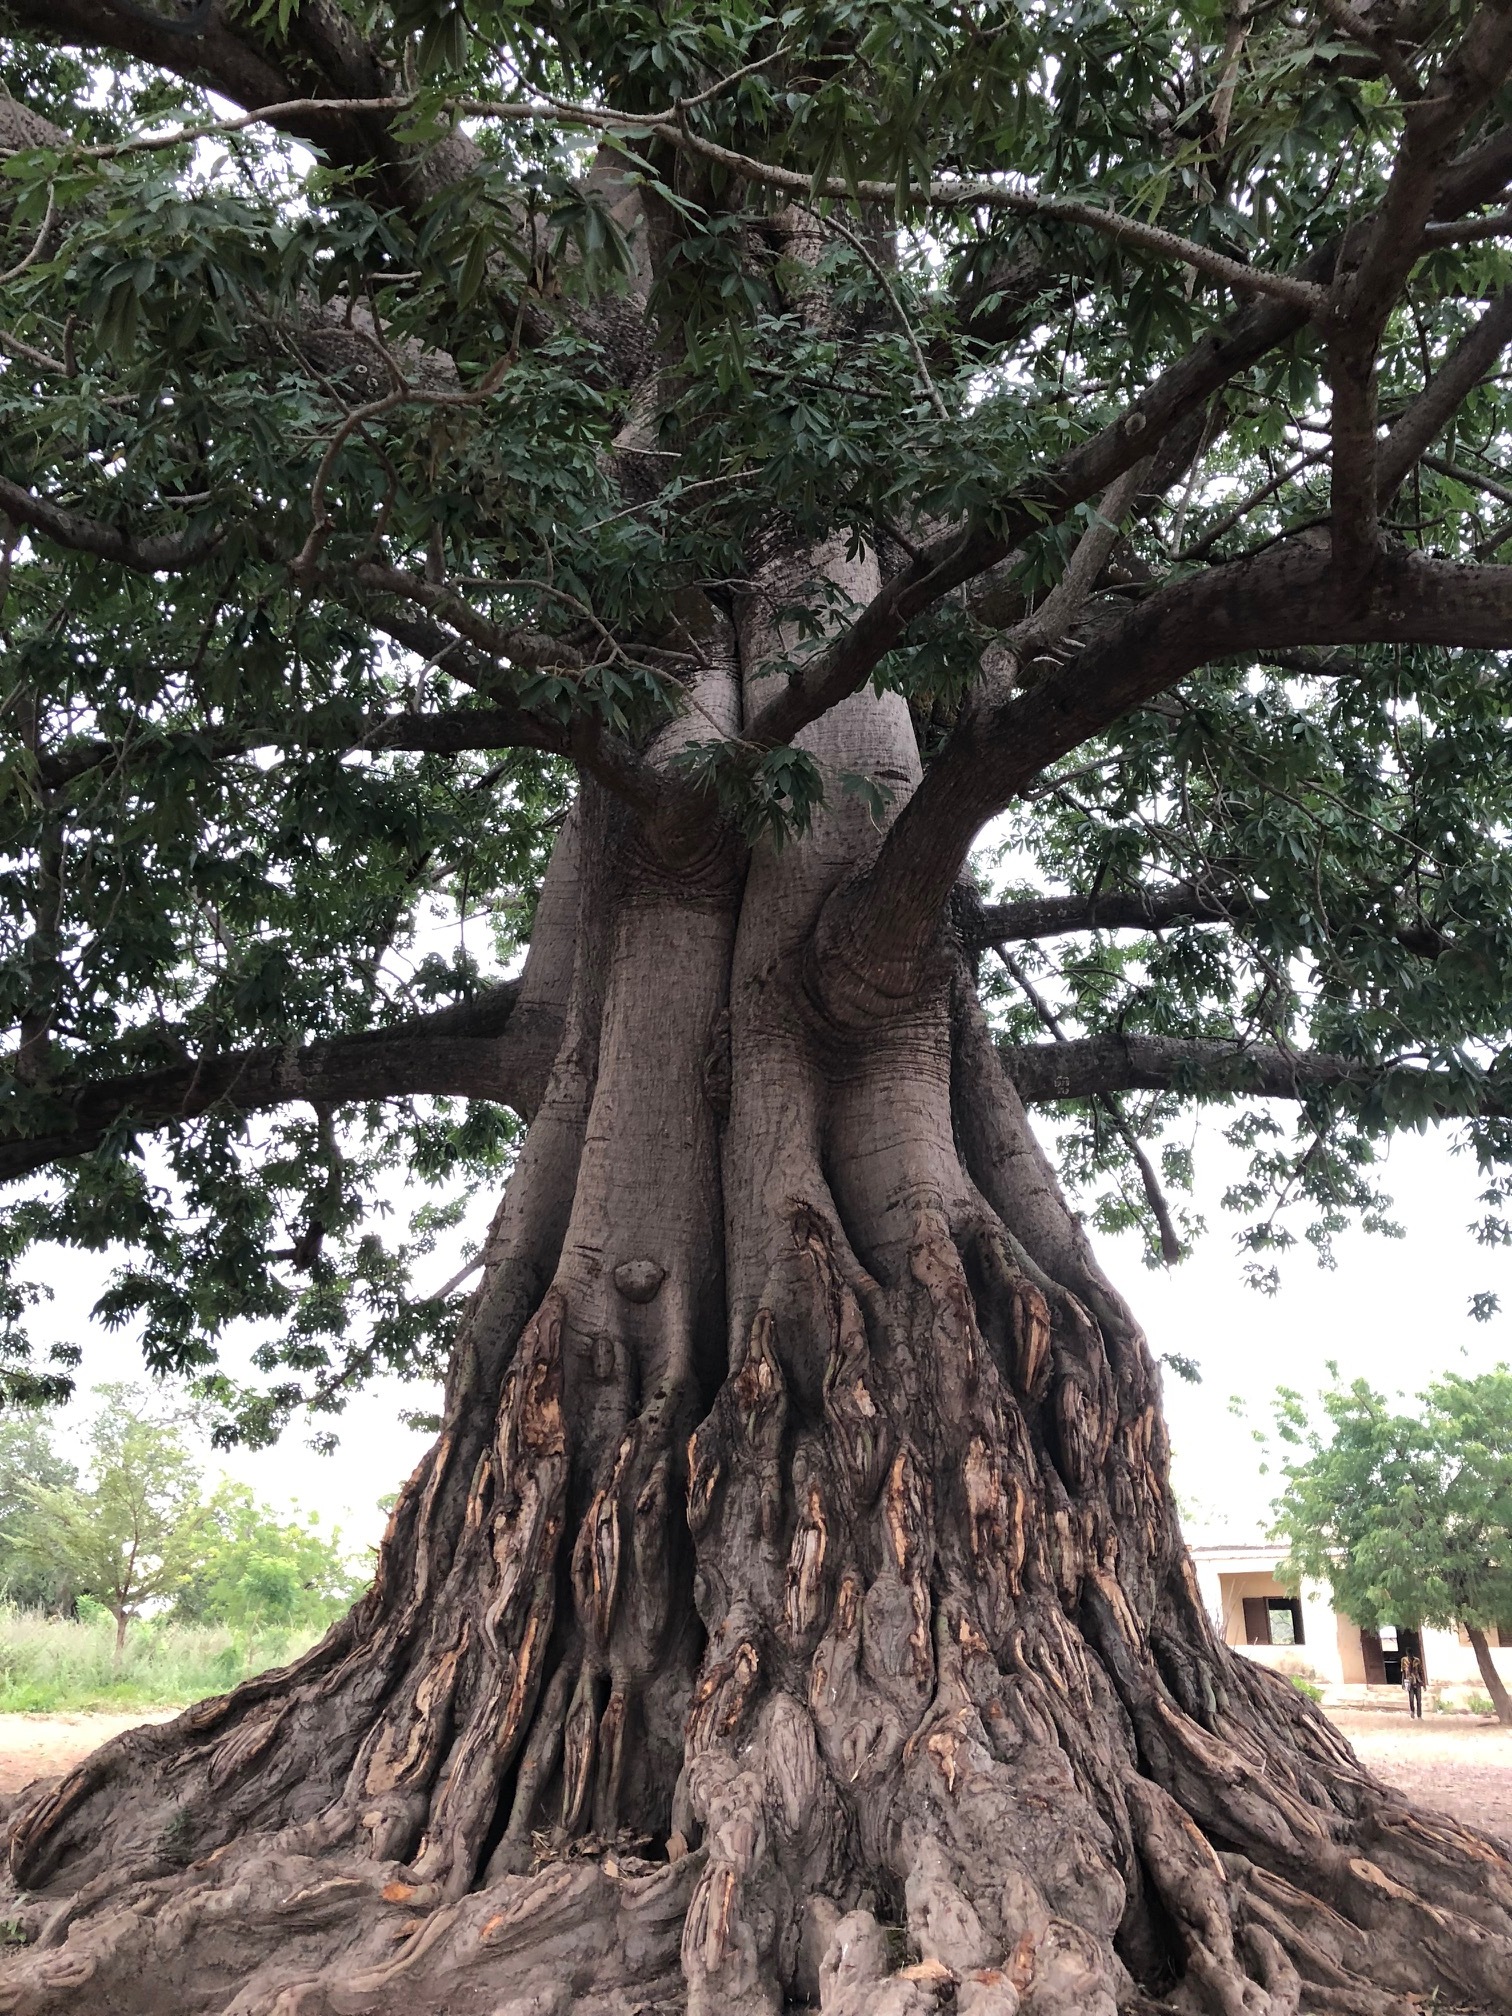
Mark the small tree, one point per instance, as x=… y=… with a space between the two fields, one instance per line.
x=264 y=1572
x=1407 y=1516
x=141 y=1529
x=28 y=1459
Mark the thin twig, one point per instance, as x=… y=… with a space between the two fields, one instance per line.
x=40 y=246
x=1241 y=510
x=879 y=273
x=403 y=394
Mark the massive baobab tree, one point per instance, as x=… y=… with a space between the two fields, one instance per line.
x=738 y=457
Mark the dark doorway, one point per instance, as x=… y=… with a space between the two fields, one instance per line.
x=1384 y=1652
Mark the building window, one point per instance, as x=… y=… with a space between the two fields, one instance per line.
x=1285 y=1620
x=1272 y=1620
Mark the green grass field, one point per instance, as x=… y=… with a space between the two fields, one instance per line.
x=48 y=1664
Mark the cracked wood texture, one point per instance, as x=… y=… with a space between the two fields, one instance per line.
x=792 y=1608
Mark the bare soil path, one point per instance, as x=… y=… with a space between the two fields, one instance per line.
x=1460 y=1763
x=44 y=1746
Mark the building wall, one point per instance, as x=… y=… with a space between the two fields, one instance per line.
x=1330 y=1650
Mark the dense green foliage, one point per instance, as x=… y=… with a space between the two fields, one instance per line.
x=140 y=1533
x=1407 y=1515
x=264 y=1573
x=369 y=451
x=27 y=1457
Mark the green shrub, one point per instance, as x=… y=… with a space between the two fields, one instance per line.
x=1480 y=1704
x=1308 y=1687
x=50 y=1664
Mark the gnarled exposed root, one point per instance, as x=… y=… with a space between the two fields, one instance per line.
x=256 y=1931
x=946 y=1730
x=941 y=1696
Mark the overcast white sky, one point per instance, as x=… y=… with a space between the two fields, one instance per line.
x=1394 y=1311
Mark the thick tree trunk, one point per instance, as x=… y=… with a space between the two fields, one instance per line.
x=1501 y=1701
x=792 y=1606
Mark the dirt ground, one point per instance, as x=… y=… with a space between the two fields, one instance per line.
x=1459 y=1763
x=42 y=1746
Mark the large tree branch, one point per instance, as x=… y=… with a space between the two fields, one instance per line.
x=1035 y=917
x=1375 y=264
x=1477 y=176
x=1088 y=1067
x=449 y=734
x=478 y=1049
x=1146 y=909
x=1441 y=398
x=671 y=807
x=168 y=554
x=231 y=56
x=878 y=934
x=849 y=661
x=584 y=739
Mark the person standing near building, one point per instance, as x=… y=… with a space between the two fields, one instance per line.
x=1412 y=1680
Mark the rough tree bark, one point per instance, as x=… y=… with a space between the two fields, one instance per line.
x=793 y=1606
x=1501 y=1701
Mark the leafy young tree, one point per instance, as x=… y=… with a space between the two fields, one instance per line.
x=1408 y=1516
x=655 y=483
x=262 y=1572
x=28 y=1458
x=138 y=1530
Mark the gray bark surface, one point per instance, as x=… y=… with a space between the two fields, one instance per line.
x=793 y=1607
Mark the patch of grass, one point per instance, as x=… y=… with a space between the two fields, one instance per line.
x=50 y=1665
x=1308 y=1687
x=1480 y=1704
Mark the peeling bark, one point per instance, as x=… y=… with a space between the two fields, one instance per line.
x=793 y=1606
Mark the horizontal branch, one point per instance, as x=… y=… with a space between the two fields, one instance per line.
x=669 y=804
x=478 y=1049
x=82 y=534
x=1037 y=917
x=1088 y=1067
x=447 y=734
x=1147 y=909
x=502 y=725
x=879 y=931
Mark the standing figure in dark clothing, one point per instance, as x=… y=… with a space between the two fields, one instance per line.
x=1412 y=1680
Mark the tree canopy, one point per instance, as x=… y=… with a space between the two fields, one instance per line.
x=138 y=1528
x=27 y=1458
x=380 y=384
x=262 y=1571
x=1408 y=1515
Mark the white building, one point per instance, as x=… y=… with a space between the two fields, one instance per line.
x=1305 y=1636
